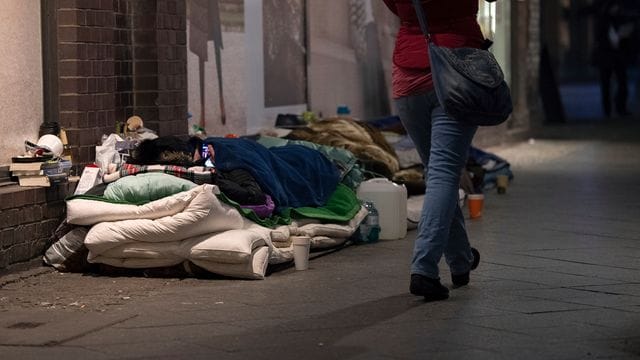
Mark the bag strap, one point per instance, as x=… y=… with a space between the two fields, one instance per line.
x=422 y=18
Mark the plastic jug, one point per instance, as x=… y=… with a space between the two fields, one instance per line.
x=390 y=199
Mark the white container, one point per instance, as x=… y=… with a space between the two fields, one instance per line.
x=301 y=247
x=390 y=200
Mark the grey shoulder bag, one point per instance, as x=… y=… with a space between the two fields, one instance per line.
x=469 y=82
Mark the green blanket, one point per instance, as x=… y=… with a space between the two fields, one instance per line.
x=341 y=206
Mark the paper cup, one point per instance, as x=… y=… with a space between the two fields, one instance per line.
x=301 y=246
x=475 y=203
x=502 y=182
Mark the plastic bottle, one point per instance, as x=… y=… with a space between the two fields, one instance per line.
x=370 y=226
x=343 y=110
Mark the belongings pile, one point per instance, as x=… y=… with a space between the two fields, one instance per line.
x=41 y=165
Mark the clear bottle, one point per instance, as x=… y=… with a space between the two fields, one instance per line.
x=370 y=226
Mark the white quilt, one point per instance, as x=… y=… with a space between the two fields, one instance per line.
x=193 y=226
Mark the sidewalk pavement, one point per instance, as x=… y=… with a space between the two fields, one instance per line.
x=559 y=279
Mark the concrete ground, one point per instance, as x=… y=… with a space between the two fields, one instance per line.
x=559 y=279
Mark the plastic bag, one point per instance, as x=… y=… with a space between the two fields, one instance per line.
x=107 y=154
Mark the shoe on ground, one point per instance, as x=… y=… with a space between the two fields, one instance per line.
x=463 y=279
x=431 y=289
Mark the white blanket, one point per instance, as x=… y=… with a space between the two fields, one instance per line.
x=193 y=226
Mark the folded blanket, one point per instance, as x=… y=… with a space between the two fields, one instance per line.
x=196 y=174
x=202 y=214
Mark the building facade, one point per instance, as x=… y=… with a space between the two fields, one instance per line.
x=228 y=66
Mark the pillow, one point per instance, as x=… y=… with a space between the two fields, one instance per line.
x=146 y=187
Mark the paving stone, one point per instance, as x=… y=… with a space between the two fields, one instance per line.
x=558 y=280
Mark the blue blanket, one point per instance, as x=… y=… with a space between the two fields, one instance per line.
x=293 y=175
x=493 y=166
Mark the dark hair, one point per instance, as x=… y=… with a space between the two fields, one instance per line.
x=166 y=150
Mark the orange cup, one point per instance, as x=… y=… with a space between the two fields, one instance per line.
x=475 y=203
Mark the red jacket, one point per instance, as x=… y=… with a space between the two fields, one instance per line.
x=451 y=22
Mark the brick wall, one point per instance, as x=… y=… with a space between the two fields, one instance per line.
x=123 y=61
x=115 y=58
x=160 y=64
x=118 y=58
x=86 y=69
x=28 y=217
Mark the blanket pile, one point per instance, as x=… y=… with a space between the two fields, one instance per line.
x=159 y=216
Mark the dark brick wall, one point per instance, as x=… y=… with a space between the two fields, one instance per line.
x=28 y=217
x=123 y=60
x=118 y=58
x=160 y=64
x=86 y=69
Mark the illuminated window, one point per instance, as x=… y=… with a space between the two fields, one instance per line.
x=487 y=18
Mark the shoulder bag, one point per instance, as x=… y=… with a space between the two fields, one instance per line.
x=469 y=82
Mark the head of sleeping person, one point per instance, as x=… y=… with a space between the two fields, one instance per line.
x=169 y=150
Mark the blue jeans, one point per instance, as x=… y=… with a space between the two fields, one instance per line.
x=443 y=145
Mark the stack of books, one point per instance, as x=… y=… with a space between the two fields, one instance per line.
x=40 y=173
x=57 y=171
x=29 y=173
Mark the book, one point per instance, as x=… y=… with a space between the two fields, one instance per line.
x=56 y=179
x=25 y=166
x=34 y=180
x=27 y=172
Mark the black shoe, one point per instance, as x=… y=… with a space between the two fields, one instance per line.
x=431 y=289
x=463 y=279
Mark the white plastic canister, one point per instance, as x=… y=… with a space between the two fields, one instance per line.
x=390 y=200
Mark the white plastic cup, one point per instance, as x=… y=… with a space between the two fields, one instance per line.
x=301 y=247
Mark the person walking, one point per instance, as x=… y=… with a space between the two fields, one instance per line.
x=615 y=49
x=442 y=142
